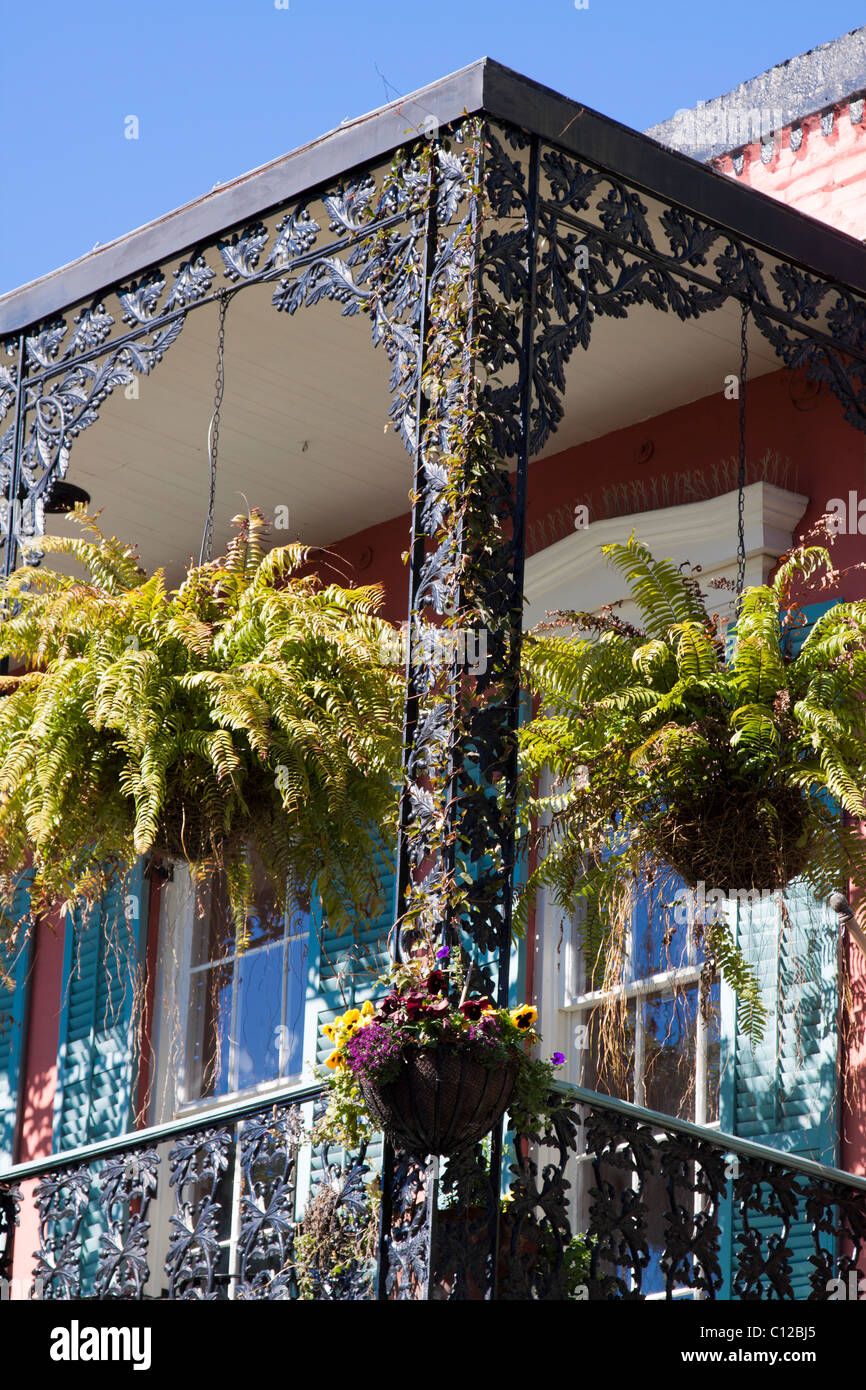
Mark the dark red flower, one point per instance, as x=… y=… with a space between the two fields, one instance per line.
x=436 y=982
x=471 y=1008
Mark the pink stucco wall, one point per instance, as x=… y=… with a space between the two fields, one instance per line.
x=40 y=1078
x=825 y=177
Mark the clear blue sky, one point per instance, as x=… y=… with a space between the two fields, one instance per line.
x=220 y=87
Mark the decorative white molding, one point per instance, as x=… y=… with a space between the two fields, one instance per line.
x=573 y=574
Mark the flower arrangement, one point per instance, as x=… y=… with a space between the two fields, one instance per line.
x=464 y=1063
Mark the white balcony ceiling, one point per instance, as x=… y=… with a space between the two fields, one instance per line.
x=304 y=414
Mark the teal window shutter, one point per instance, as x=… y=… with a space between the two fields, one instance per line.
x=97 y=1056
x=344 y=970
x=97 y=1060
x=785 y=1093
x=15 y=958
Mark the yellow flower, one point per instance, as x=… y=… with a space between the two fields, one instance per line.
x=352 y=1016
x=524 y=1017
x=335 y=1061
x=329 y=1031
x=367 y=1010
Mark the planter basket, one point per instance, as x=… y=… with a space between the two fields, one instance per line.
x=761 y=842
x=443 y=1101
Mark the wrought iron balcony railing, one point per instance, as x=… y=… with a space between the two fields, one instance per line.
x=617 y=1202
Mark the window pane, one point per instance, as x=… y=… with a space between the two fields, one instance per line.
x=210 y=1008
x=259 y=1015
x=606 y=1047
x=670 y=1025
x=296 y=993
x=265 y=922
x=214 y=934
x=661 y=938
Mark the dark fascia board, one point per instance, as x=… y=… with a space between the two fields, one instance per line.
x=482 y=86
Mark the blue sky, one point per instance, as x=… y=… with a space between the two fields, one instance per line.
x=219 y=87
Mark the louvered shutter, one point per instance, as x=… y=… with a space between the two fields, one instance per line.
x=97 y=1054
x=785 y=1093
x=358 y=957
x=15 y=962
x=96 y=1064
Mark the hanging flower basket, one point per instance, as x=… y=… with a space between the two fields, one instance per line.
x=443 y=1100
x=431 y=1066
x=674 y=750
x=758 y=841
x=248 y=710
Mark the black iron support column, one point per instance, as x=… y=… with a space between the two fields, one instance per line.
x=11 y=557
x=527 y=372
x=417 y=547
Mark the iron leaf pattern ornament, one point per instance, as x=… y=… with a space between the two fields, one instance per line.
x=127 y=1185
x=269 y=1159
x=483 y=260
x=197 y=1167
x=62 y=1200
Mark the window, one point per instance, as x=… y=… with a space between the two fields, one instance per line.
x=662 y=1049
x=245 y=1007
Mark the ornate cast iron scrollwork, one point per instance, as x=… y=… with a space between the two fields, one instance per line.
x=197 y=1166
x=482 y=259
x=269 y=1160
x=127 y=1184
x=62 y=1200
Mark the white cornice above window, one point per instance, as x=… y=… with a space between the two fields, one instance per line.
x=573 y=574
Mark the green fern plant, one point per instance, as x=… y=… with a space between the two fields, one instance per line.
x=247 y=710
x=668 y=755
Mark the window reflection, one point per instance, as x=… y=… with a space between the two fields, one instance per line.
x=246 y=1008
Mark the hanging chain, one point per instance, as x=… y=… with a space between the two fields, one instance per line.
x=213 y=434
x=741 y=484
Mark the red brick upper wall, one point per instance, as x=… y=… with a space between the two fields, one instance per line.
x=824 y=177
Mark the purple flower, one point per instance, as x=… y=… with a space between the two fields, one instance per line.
x=443 y=953
x=558 y=1059
x=373 y=1051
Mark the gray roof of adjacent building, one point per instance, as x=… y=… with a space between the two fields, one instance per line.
x=810 y=84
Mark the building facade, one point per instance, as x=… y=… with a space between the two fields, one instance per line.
x=624 y=282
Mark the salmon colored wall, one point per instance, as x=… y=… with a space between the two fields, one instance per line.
x=825 y=177
x=40 y=1077
x=785 y=416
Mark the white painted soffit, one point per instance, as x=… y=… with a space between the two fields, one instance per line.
x=573 y=574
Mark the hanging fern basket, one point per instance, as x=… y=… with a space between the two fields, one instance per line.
x=762 y=840
x=443 y=1101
